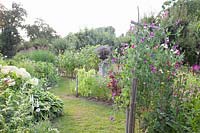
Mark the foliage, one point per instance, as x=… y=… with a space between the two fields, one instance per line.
x=37 y=44
x=40 y=30
x=11 y=21
x=23 y=102
x=46 y=72
x=88 y=57
x=71 y=60
x=92 y=85
x=143 y=60
x=59 y=45
x=68 y=62
x=98 y=36
x=37 y=55
x=182 y=18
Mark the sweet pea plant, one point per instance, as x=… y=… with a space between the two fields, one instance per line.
x=154 y=61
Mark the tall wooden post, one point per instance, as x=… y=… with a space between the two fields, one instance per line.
x=131 y=126
x=127 y=118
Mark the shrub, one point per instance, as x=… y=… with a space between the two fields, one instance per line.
x=37 y=55
x=46 y=72
x=23 y=102
x=71 y=60
x=92 y=85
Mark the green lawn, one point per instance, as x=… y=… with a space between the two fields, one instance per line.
x=83 y=116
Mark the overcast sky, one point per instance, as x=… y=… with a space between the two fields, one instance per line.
x=72 y=15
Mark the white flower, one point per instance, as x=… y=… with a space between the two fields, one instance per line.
x=160 y=70
x=8 y=69
x=48 y=88
x=176 y=52
x=37 y=110
x=11 y=83
x=37 y=103
x=23 y=73
x=31 y=98
x=164 y=46
x=20 y=72
x=33 y=81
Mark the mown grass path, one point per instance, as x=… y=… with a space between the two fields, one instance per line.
x=83 y=116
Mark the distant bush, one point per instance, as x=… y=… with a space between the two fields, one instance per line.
x=71 y=60
x=37 y=55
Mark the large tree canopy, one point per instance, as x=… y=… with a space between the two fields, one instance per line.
x=10 y=21
x=40 y=30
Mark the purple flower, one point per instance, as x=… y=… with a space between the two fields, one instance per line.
x=177 y=65
x=114 y=94
x=112 y=118
x=142 y=40
x=175 y=47
x=152 y=34
x=153 y=68
x=195 y=67
x=114 y=60
x=132 y=46
x=145 y=26
x=166 y=14
x=145 y=61
x=152 y=25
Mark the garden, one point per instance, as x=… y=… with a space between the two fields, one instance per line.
x=146 y=81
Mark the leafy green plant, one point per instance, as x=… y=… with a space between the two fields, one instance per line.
x=71 y=60
x=23 y=102
x=154 y=64
x=37 y=55
x=92 y=85
x=46 y=72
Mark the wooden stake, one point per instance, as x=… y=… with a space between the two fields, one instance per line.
x=127 y=118
x=131 y=126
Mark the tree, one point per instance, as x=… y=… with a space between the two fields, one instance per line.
x=60 y=45
x=40 y=30
x=11 y=20
x=102 y=36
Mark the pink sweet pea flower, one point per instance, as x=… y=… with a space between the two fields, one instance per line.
x=195 y=67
